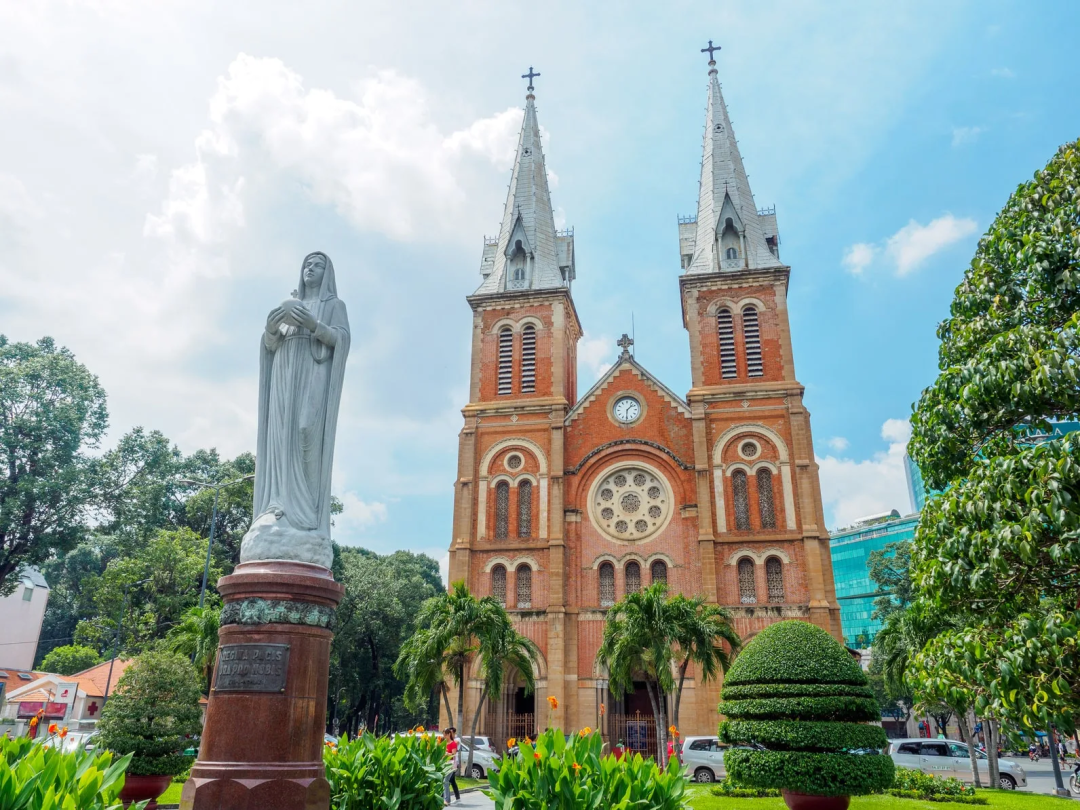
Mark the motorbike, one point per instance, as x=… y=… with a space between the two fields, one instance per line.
x=1074 y=780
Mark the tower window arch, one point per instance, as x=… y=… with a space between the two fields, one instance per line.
x=528 y=359
x=747 y=585
x=518 y=261
x=632 y=573
x=658 y=571
x=607 y=584
x=774 y=578
x=502 y=510
x=524 y=586
x=725 y=329
x=498 y=584
x=731 y=253
x=752 y=341
x=766 y=508
x=506 y=361
x=742 y=500
x=524 y=526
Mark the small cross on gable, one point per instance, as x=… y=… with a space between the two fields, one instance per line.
x=625 y=342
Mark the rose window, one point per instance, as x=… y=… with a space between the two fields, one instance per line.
x=630 y=503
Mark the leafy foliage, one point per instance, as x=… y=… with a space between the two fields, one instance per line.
x=38 y=777
x=196 y=638
x=557 y=771
x=889 y=568
x=70 y=659
x=377 y=773
x=153 y=713
x=733 y=790
x=925 y=784
x=805 y=754
x=52 y=410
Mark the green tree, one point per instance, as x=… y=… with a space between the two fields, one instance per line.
x=69 y=659
x=1001 y=544
x=52 y=410
x=196 y=637
x=705 y=637
x=153 y=713
x=889 y=569
x=639 y=643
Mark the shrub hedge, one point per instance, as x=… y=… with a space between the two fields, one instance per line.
x=925 y=784
x=733 y=790
x=797 y=693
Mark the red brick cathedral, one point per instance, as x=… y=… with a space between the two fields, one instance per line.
x=564 y=503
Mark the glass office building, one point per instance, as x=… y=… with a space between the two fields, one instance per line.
x=855 y=592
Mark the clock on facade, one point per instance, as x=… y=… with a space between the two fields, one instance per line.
x=627 y=409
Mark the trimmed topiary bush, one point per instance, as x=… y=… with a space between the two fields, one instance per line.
x=795 y=692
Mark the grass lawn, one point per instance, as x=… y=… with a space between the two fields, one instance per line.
x=701 y=799
x=172 y=795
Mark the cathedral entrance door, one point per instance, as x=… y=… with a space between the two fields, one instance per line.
x=632 y=721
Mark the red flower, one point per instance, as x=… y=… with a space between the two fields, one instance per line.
x=53 y=728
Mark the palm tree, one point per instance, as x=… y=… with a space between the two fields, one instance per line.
x=701 y=631
x=424 y=671
x=196 y=636
x=638 y=641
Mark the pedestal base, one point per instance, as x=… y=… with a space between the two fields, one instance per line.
x=262 y=741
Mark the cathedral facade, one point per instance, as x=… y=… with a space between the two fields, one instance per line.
x=565 y=502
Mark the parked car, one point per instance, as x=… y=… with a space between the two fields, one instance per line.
x=703 y=758
x=482 y=742
x=952 y=758
x=484 y=760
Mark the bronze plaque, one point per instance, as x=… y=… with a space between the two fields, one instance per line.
x=252 y=668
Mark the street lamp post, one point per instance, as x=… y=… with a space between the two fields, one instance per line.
x=213 y=521
x=119 y=632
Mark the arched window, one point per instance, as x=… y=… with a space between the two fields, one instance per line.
x=742 y=501
x=774 y=578
x=731 y=253
x=506 y=361
x=726 y=330
x=607 y=584
x=528 y=359
x=524 y=586
x=752 y=341
x=498 y=584
x=502 y=510
x=632 y=572
x=747 y=586
x=766 y=510
x=524 y=527
x=658 y=570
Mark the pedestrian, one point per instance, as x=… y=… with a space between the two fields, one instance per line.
x=1061 y=751
x=619 y=750
x=450 y=780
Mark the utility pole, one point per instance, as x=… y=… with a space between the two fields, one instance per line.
x=213 y=521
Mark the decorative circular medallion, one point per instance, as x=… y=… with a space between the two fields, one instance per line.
x=749 y=450
x=630 y=502
x=513 y=462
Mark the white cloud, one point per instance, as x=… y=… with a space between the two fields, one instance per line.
x=858 y=257
x=595 y=356
x=962 y=135
x=853 y=489
x=444 y=568
x=1003 y=73
x=357 y=516
x=838 y=443
x=913 y=244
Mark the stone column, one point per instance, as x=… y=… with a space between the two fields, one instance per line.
x=262 y=743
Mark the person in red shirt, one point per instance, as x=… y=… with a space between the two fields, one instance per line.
x=452 y=749
x=619 y=750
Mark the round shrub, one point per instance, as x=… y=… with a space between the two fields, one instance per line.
x=153 y=713
x=798 y=694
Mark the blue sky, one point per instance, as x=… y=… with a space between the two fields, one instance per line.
x=173 y=162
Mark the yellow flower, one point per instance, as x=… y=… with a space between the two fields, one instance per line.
x=674 y=732
x=511 y=742
x=585 y=732
x=425 y=736
x=554 y=703
x=419 y=729
x=528 y=741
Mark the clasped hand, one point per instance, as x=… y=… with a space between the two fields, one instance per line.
x=292 y=313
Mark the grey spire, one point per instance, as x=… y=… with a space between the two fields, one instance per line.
x=729 y=233
x=528 y=254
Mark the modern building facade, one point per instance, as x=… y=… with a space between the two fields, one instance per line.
x=855 y=591
x=564 y=503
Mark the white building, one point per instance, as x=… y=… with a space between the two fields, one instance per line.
x=21 y=615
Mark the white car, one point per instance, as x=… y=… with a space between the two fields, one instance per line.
x=703 y=758
x=483 y=759
x=952 y=758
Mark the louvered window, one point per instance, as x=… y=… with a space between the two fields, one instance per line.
x=502 y=510
x=524 y=586
x=774 y=577
x=747 y=586
x=752 y=341
x=742 y=501
x=528 y=359
x=498 y=584
x=607 y=584
x=506 y=361
x=524 y=527
x=633 y=577
x=726 y=330
x=659 y=572
x=766 y=510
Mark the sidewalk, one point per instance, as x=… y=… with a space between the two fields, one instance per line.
x=474 y=799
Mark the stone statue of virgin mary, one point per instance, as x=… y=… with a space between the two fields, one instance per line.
x=302 y=356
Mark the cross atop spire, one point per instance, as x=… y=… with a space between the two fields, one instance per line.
x=624 y=343
x=709 y=50
x=530 y=76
